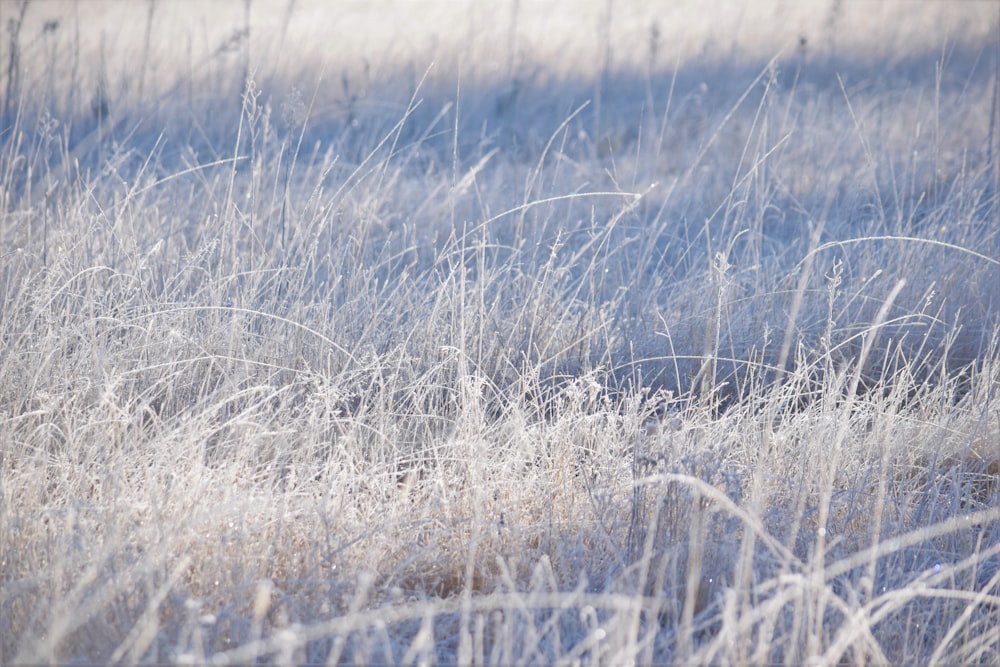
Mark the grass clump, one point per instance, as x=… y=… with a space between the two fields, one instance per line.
x=589 y=359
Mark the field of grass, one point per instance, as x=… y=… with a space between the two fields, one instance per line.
x=524 y=332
